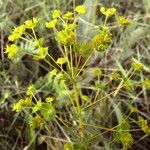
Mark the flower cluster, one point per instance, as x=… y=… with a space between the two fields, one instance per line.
x=22 y=103
x=42 y=111
x=102 y=40
x=123 y=21
x=19 y=31
x=11 y=50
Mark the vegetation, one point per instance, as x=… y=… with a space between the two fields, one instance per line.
x=75 y=76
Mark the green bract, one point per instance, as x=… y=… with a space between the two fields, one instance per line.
x=68 y=146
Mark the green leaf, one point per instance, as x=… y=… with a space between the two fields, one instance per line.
x=37 y=106
x=47 y=111
x=79 y=146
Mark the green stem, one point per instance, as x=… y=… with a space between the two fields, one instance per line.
x=71 y=62
x=66 y=53
x=83 y=66
x=57 y=65
x=105 y=22
x=26 y=40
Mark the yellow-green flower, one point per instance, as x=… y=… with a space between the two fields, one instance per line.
x=101 y=41
x=108 y=12
x=37 y=122
x=66 y=37
x=38 y=43
x=97 y=71
x=17 y=33
x=56 y=14
x=115 y=76
x=123 y=21
x=42 y=52
x=147 y=83
x=21 y=104
x=71 y=26
x=126 y=140
x=68 y=16
x=51 y=24
x=31 y=24
x=31 y=90
x=137 y=66
x=11 y=51
x=61 y=60
x=81 y=9
x=17 y=107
